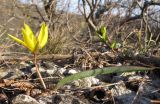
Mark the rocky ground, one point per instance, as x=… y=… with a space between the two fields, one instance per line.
x=19 y=84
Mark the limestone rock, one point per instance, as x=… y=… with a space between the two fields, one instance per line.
x=24 y=99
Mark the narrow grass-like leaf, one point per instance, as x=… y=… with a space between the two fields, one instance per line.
x=95 y=72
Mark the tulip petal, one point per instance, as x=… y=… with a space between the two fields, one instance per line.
x=28 y=31
x=30 y=43
x=43 y=36
x=17 y=40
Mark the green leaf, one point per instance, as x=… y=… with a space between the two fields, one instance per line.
x=113 y=45
x=43 y=35
x=103 y=29
x=104 y=33
x=95 y=72
x=100 y=37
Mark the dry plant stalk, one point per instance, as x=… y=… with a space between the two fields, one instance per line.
x=39 y=74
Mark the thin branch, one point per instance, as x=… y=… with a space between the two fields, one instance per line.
x=27 y=58
x=140 y=16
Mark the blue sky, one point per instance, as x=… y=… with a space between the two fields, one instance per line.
x=70 y=5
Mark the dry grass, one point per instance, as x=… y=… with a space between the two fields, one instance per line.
x=60 y=42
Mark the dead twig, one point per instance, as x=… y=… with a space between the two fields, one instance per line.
x=41 y=57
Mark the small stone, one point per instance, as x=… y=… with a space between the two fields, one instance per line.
x=120 y=89
x=12 y=74
x=116 y=79
x=125 y=99
x=148 y=88
x=94 y=81
x=48 y=65
x=5 y=74
x=61 y=99
x=72 y=71
x=50 y=72
x=40 y=69
x=75 y=101
x=125 y=74
x=35 y=92
x=61 y=70
x=132 y=78
x=3 y=99
x=121 y=94
x=24 y=99
x=86 y=82
x=24 y=64
x=119 y=64
x=45 y=100
x=104 y=77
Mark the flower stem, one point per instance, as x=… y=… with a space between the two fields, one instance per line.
x=37 y=69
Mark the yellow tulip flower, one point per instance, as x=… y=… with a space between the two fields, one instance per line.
x=33 y=44
x=29 y=39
